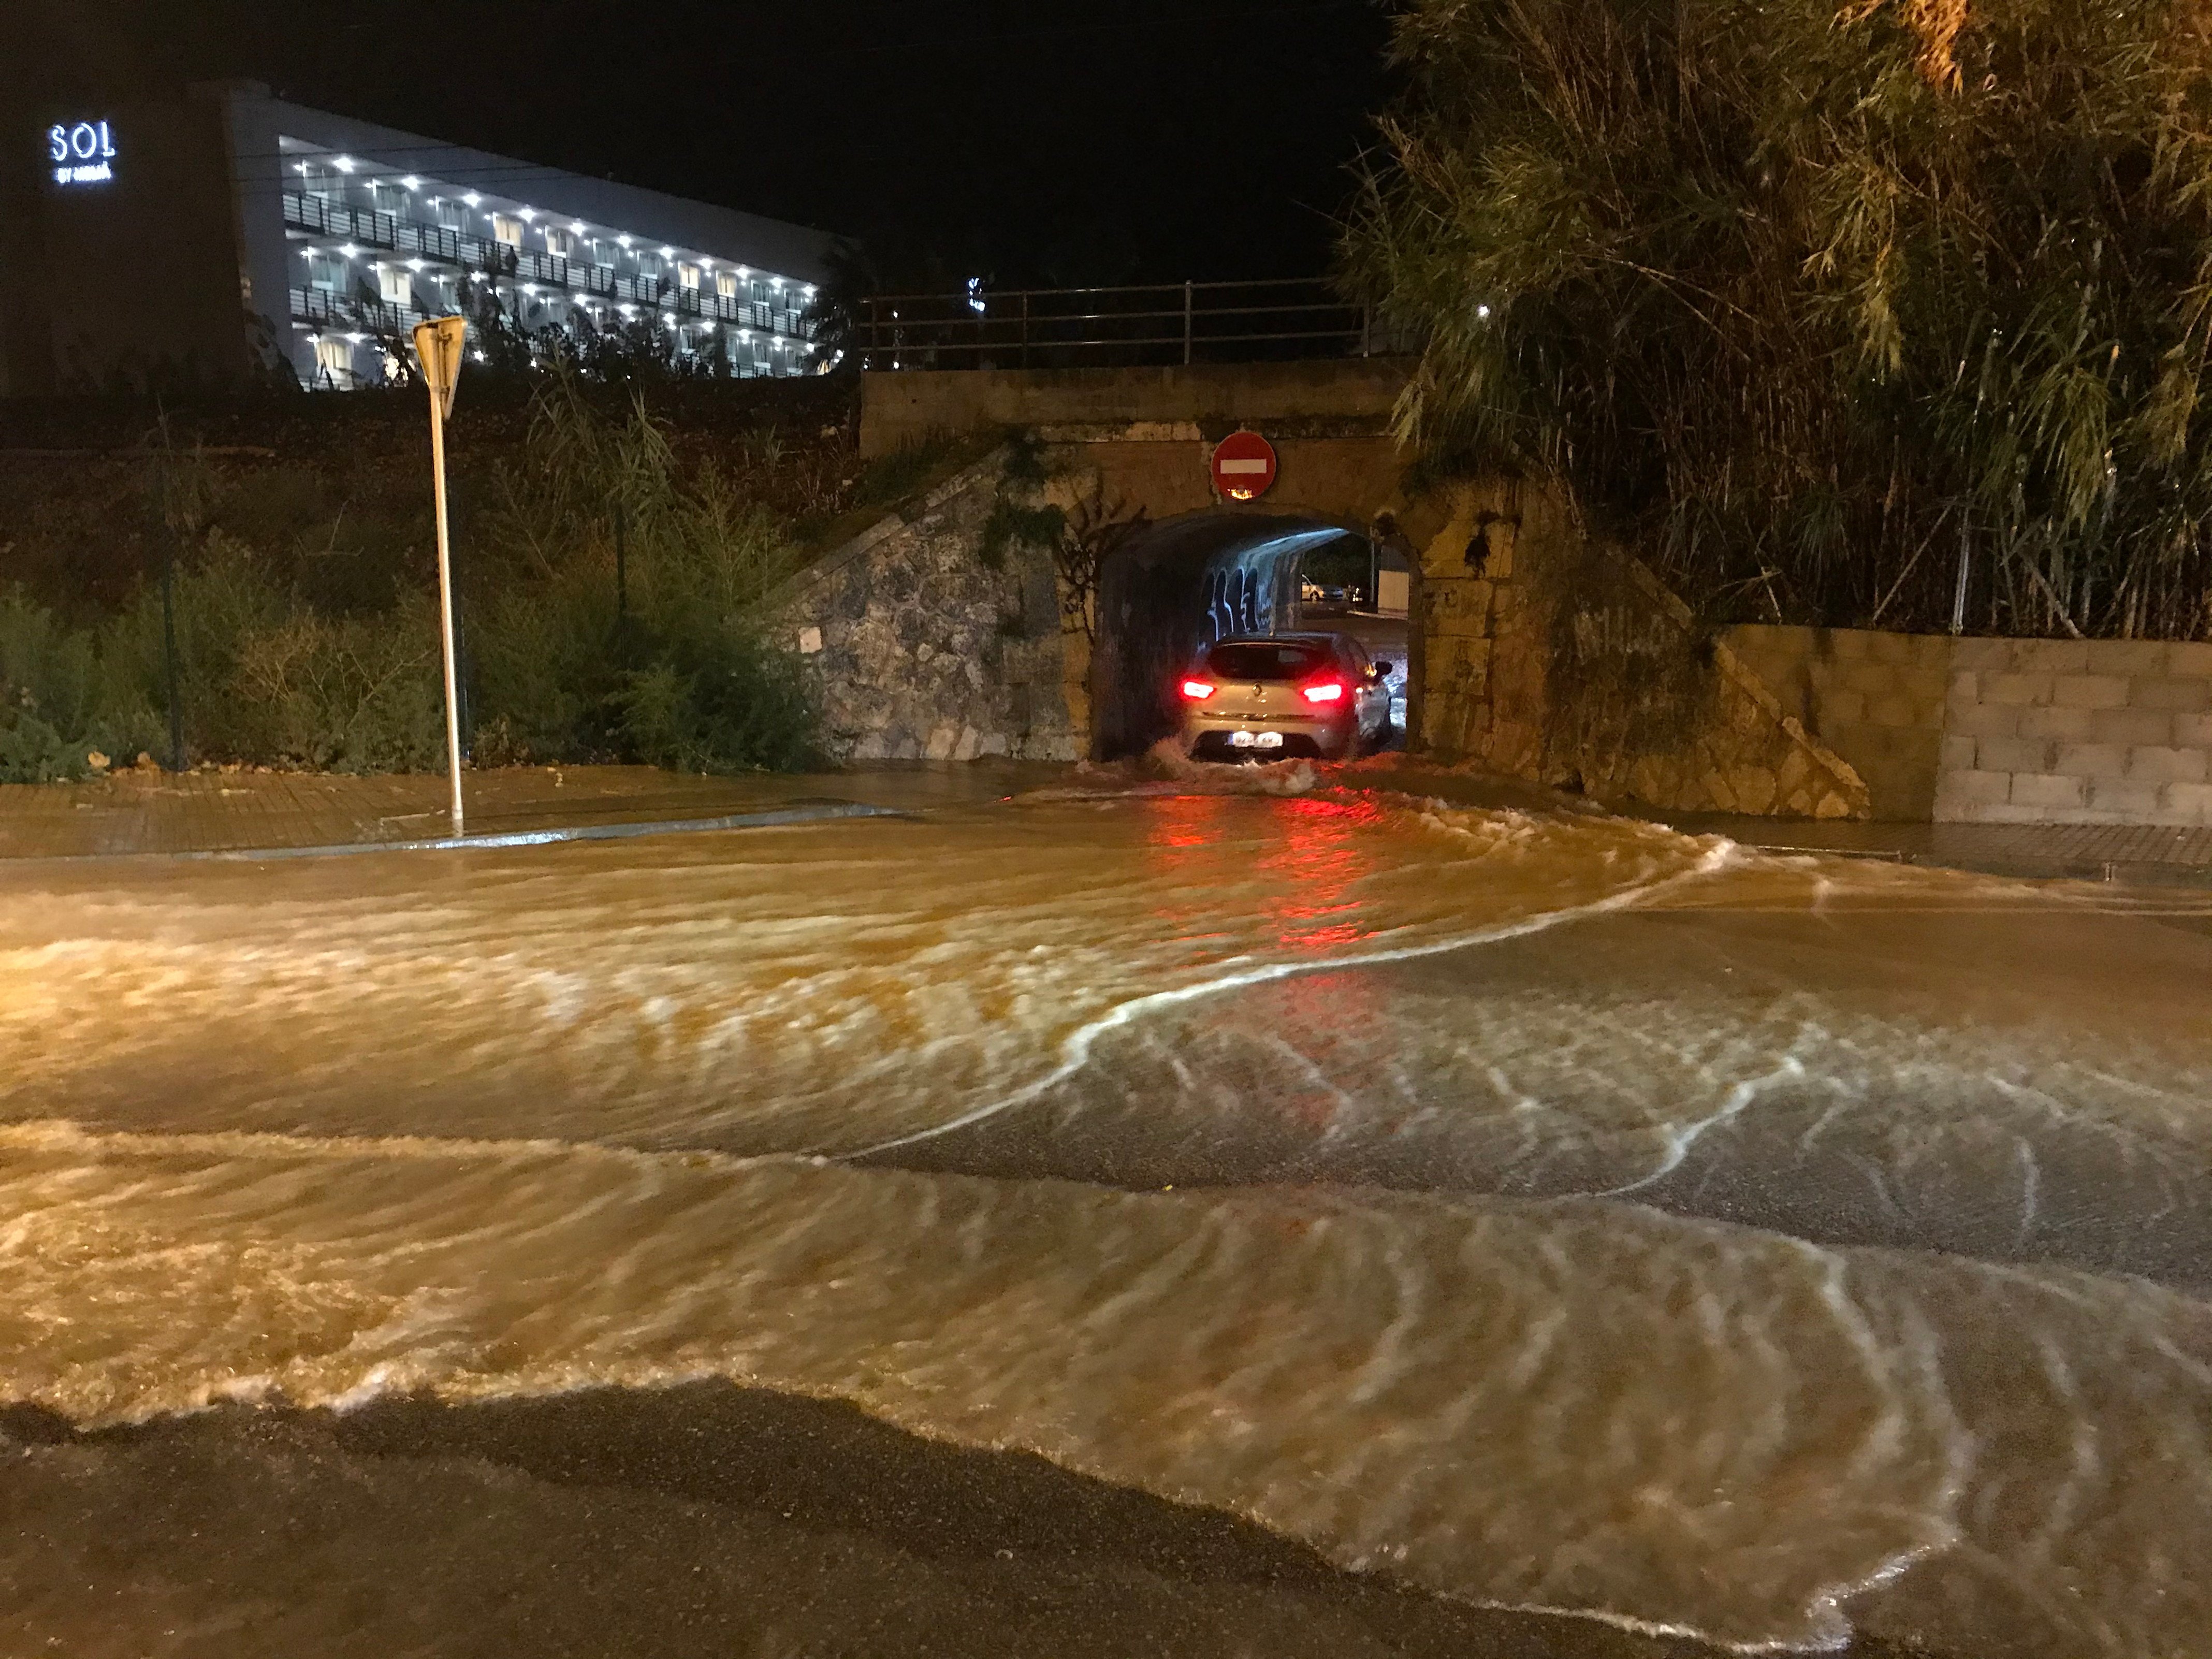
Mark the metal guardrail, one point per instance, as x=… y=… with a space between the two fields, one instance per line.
x=1159 y=322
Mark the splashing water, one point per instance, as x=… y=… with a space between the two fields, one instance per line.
x=1566 y=1214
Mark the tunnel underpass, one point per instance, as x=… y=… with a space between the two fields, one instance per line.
x=1188 y=581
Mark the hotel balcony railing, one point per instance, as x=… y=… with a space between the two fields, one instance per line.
x=386 y=230
x=316 y=305
x=323 y=305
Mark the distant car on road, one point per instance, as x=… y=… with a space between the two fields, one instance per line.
x=1273 y=695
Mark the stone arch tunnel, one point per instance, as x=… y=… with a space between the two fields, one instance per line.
x=1176 y=588
x=1523 y=634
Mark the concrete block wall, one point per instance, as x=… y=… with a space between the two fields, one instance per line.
x=1975 y=731
x=1285 y=397
x=2077 y=731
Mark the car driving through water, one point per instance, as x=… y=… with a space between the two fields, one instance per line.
x=1271 y=696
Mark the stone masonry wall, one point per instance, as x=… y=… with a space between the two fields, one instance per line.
x=923 y=651
x=2077 y=731
x=1546 y=655
x=1876 y=699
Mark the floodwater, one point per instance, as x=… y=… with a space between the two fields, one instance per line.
x=1549 y=1213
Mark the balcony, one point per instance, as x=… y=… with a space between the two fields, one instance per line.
x=317 y=305
x=384 y=230
x=367 y=228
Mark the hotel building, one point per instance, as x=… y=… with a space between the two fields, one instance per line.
x=234 y=233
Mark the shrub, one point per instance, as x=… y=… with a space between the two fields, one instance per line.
x=58 y=704
x=280 y=662
x=267 y=679
x=718 y=700
x=675 y=673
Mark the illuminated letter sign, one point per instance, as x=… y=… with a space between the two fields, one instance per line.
x=82 y=155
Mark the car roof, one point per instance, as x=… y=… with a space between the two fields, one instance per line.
x=1306 y=638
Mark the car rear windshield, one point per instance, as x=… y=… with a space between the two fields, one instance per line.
x=1266 y=660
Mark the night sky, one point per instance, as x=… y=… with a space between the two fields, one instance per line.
x=1056 y=140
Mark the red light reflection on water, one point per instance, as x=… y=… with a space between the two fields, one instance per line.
x=1298 y=864
x=1310 y=855
x=1326 y=852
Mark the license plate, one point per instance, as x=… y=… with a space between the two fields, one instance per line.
x=1255 y=740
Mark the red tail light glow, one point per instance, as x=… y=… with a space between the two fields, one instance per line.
x=1323 y=692
x=1197 y=690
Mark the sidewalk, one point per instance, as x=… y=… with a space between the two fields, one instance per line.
x=213 y=811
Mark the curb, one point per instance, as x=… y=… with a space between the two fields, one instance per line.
x=803 y=812
x=2118 y=873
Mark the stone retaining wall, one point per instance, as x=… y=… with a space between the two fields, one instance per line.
x=1548 y=655
x=926 y=652
x=1876 y=699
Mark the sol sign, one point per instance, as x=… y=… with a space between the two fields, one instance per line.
x=1243 y=466
x=83 y=154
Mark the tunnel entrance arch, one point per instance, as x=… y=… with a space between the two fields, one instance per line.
x=1174 y=588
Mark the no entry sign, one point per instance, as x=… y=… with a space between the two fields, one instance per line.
x=1243 y=466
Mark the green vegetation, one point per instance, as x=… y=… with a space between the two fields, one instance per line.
x=60 y=701
x=1819 y=302
x=612 y=604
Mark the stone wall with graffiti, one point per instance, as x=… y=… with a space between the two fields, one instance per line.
x=1545 y=654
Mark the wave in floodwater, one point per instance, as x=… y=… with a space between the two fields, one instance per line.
x=1573 y=1405
x=1601 y=1060
x=1567 y=1214
x=764 y=994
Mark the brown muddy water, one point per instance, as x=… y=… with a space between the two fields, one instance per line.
x=1543 y=1212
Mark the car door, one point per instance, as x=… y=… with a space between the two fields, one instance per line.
x=1371 y=698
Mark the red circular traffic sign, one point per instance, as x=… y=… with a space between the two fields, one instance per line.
x=1243 y=466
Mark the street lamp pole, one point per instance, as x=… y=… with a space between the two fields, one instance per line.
x=439 y=346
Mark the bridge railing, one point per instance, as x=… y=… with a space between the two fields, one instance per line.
x=1139 y=324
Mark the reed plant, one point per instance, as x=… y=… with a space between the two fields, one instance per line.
x=1822 y=303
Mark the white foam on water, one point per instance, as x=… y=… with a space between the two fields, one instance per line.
x=800 y=998
x=1541 y=1401
x=1076 y=1051
x=1574 y=1406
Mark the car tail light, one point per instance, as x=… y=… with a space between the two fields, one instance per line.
x=1198 y=691
x=1323 y=692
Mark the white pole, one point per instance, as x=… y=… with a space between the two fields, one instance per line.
x=446 y=608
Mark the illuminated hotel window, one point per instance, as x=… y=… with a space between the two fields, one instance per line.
x=447 y=247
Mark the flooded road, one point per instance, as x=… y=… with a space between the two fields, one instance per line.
x=1549 y=1213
